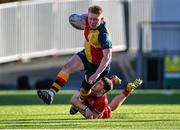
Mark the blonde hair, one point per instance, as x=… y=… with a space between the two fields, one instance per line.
x=95 y=9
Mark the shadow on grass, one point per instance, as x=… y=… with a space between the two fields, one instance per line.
x=78 y=120
x=73 y=122
x=161 y=113
x=41 y=120
x=145 y=120
x=32 y=99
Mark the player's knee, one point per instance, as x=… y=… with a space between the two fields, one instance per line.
x=66 y=68
x=72 y=100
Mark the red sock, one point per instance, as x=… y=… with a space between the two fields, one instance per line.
x=126 y=93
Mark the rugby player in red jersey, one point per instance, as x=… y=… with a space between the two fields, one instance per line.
x=96 y=104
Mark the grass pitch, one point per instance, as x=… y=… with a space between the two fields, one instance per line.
x=23 y=110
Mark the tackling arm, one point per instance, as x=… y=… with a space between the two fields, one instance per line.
x=83 y=109
x=75 y=101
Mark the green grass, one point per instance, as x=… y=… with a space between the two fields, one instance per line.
x=143 y=110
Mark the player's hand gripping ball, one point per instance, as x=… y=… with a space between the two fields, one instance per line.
x=77 y=21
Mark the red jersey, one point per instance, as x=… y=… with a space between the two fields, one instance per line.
x=99 y=105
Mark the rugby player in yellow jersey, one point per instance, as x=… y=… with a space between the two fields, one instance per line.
x=94 y=59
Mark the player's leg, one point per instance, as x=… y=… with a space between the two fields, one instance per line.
x=84 y=92
x=76 y=104
x=119 y=99
x=73 y=110
x=73 y=65
x=85 y=89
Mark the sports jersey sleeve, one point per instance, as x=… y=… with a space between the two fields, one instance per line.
x=105 y=41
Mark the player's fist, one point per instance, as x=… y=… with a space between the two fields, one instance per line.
x=88 y=114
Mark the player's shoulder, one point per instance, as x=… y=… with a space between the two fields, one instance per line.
x=103 y=28
x=104 y=37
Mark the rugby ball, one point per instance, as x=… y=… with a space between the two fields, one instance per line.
x=77 y=21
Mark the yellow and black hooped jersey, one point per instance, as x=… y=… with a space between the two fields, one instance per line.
x=96 y=40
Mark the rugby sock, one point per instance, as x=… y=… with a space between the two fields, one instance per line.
x=59 y=82
x=83 y=95
x=126 y=92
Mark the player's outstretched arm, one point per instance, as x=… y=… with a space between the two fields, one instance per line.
x=119 y=99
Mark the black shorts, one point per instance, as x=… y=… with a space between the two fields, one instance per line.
x=90 y=69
